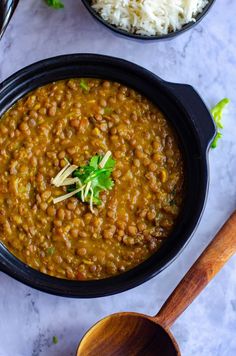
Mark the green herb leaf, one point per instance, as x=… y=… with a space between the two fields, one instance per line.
x=94 y=161
x=50 y=251
x=110 y=164
x=84 y=85
x=108 y=111
x=55 y=340
x=217 y=112
x=56 y=4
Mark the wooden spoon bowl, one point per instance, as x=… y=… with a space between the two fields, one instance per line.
x=128 y=334
x=133 y=334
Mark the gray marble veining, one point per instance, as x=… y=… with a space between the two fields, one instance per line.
x=204 y=57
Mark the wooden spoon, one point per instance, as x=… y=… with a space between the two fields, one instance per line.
x=134 y=334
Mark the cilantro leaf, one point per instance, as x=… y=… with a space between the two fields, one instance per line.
x=108 y=111
x=102 y=181
x=96 y=199
x=56 y=4
x=94 y=161
x=83 y=173
x=110 y=164
x=50 y=251
x=84 y=85
x=55 y=340
x=217 y=112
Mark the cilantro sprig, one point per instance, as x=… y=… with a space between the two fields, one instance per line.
x=217 y=112
x=95 y=178
x=86 y=182
x=56 y=4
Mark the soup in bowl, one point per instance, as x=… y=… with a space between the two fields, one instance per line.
x=49 y=142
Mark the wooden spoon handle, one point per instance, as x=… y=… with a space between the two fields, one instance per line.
x=218 y=252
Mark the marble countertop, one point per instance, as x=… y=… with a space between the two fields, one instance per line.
x=203 y=57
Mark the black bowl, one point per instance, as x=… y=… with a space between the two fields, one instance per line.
x=188 y=26
x=194 y=125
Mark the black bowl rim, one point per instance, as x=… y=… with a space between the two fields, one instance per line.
x=130 y=35
x=97 y=288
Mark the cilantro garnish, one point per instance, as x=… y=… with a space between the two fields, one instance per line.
x=55 y=340
x=217 y=112
x=84 y=85
x=108 y=111
x=87 y=182
x=50 y=251
x=95 y=177
x=56 y=4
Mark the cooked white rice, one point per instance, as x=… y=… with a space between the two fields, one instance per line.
x=149 y=17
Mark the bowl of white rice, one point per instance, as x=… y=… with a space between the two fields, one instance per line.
x=149 y=19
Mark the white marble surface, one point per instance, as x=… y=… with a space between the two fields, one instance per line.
x=204 y=57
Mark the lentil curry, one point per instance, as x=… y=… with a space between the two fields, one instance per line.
x=74 y=120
